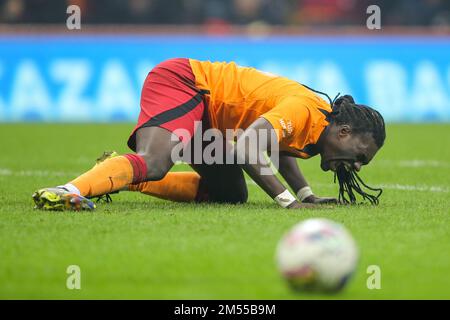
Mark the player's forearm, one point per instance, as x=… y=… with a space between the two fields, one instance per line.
x=250 y=150
x=290 y=171
x=269 y=183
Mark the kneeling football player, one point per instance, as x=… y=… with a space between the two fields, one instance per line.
x=180 y=93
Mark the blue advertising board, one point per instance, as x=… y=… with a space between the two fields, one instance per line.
x=99 y=77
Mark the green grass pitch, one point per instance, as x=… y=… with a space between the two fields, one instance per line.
x=145 y=248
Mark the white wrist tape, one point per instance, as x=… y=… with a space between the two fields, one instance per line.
x=304 y=193
x=285 y=198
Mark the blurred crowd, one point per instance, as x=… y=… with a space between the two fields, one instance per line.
x=229 y=12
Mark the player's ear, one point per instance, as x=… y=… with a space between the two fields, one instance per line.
x=344 y=131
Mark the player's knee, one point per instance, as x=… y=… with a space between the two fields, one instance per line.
x=155 y=173
x=241 y=196
x=156 y=168
x=239 y=191
x=236 y=196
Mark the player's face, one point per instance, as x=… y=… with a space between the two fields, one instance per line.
x=343 y=147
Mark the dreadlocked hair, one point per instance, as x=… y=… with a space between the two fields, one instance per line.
x=362 y=120
x=349 y=181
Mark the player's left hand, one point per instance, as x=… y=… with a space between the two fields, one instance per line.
x=319 y=200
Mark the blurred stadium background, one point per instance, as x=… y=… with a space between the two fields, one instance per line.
x=50 y=73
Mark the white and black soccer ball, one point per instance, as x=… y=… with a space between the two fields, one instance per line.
x=317 y=255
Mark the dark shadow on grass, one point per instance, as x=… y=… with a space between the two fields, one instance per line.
x=193 y=206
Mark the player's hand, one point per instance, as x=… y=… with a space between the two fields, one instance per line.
x=319 y=200
x=299 y=205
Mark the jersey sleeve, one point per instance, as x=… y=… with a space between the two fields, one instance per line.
x=289 y=119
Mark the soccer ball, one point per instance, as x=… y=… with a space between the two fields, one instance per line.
x=317 y=255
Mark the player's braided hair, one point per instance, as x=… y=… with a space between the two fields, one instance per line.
x=362 y=120
x=349 y=181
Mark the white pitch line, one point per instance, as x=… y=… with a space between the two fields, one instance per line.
x=46 y=173
x=36 y=173
x=388 y=186
x=404 y=187
x=416 y=188
x=415 y=163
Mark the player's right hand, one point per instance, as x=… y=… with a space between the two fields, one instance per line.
x=320 y=200
x=298 y=205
